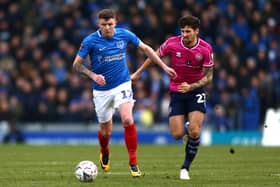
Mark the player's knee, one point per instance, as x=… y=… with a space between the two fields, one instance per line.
x=194 y=133
x=127 y=121
x=106 y=133
x=177 y=135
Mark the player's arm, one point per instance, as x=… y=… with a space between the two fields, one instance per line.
x=80 y=68
x=208 y=77
x=155 y=58
x=135 y=76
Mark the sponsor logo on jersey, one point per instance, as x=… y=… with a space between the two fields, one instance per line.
x=188 y=63
x=111 y=58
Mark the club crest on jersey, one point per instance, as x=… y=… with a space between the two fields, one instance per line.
x=178 y=54
x=198 y=56
x=120 y=44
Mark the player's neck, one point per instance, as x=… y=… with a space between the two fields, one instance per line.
x=107 y=35
x=191 y=44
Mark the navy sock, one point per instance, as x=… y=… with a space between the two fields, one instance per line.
x=186 y=128
x=190 y=151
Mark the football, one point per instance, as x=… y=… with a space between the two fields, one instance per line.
x=86 y=171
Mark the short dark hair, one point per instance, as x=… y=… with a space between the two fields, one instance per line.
x=191 y=21
x=106 y=14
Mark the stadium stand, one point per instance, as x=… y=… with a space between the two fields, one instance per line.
x=39 y=39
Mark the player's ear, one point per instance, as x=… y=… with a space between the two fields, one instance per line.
x=196 y=31
x=115 y=21
x=98 y=23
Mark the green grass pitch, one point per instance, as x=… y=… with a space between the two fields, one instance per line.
x=53 y=166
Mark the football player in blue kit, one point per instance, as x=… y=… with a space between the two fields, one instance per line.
x=111 y=82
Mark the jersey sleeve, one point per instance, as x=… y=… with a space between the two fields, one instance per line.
x=208 y=58
x=84 y=49
x=164 y=48
x=132 y=38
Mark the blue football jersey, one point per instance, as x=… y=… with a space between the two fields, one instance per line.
x=108 y=56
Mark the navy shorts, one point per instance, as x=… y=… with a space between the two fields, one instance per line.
x=183 y=103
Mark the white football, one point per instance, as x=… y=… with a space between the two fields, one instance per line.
x=86 y=171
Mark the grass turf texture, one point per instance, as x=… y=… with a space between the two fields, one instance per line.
x=53 y=166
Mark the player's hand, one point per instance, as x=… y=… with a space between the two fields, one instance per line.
x=99 y=79
x=135 y=76
x=171 y=72
x=184 y=87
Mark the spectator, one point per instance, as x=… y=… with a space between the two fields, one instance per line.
x=250 y=107
x=219 y=120
x=35 y=50
x=14 y=134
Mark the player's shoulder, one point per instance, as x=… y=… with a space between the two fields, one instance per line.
x=118 y=29
x=122 y=31
x=92 y=36
x=203 y=43
x=174 y=39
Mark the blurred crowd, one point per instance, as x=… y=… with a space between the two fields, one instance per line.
x=39 y=40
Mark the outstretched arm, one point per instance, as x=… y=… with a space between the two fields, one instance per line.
x=80 y=68
x=154 y=57
x=208 y=77
x=135 y=76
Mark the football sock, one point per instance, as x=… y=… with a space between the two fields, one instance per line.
x=186 y=128
x=130 y=137
x=190 y=151
x=104 y=143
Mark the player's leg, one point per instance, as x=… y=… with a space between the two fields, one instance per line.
x=176 y=126
x=176 y=121
x=195 y=108
x=129 y=131
x=177 y=115
x=124 y=102
x=104 y=139
x=195 y=122
x=130 y=136
x=104 y=111
x=186 y=130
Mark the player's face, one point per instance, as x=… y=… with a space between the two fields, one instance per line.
x=107 y=27
x=189 y=35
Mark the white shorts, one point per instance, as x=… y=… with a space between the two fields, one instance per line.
x=107 y=101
